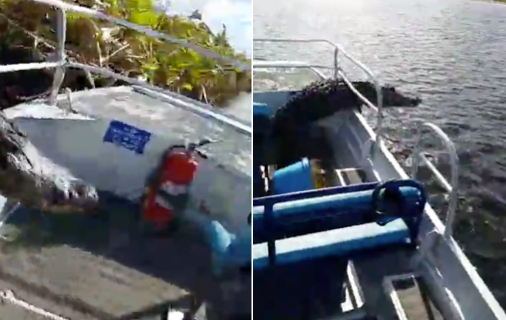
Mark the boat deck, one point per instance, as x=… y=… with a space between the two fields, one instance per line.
x=81 y=267
x=308 y=290
x=316 y=289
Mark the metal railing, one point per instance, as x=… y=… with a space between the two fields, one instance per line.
x=63 y=62
x=337 y=71
x=451 y=187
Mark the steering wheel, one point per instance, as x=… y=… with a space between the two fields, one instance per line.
x=393 y=192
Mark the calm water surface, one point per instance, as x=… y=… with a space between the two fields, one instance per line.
x=451 y=53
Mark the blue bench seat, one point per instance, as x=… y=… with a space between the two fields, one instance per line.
x=346 y=207
x=297 y=205
x=337 y=242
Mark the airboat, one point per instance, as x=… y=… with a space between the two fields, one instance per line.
x=113 y=139
x=348 y=234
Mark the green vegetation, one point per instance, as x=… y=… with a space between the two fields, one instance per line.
x=31 y=25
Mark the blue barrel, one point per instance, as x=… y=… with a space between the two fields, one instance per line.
x=229 y=250
x=294 y=178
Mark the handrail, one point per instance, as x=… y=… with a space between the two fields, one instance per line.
x=292 y=64
x=336 y=47
x=454 y=160
x=59 y=75
x=337 y=72
x=64 y=6
x=30 y=66
x=288 y=64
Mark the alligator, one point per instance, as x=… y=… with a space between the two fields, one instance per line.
x=26 y=176
x=390 y=96
x=291 y=123
x=321 y=99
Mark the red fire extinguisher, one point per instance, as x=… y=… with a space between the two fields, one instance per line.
x=168 y=190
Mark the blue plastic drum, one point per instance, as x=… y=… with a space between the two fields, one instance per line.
x=294 y=178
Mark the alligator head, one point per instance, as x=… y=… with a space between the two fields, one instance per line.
x=391 y=97
x=35 y=181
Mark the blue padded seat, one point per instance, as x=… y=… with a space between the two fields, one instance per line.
x=315 y=200
x=337 y=242
x=334 y=211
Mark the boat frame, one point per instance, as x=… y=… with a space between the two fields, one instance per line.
x=454 y=279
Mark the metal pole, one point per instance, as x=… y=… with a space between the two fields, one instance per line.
x=59 y=74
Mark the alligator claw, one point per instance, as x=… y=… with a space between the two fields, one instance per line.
x=74 y=197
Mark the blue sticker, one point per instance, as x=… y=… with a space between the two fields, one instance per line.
x=126 y=136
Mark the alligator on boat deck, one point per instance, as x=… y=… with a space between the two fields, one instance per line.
x=36 y=181
x=290 y=124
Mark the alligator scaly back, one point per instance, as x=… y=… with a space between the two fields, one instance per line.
x=319 y=100
x=34 y=180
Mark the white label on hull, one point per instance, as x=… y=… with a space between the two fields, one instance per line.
x=161 y=201
x=174 y=189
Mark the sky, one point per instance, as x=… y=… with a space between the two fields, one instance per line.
x=235 y=14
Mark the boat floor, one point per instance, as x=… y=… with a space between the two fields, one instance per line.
x=313 y=289
x=83 y=267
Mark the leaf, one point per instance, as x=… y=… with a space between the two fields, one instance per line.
x=187 y=87
x=151 y=67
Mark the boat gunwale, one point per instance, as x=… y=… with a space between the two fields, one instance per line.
x=63 y=62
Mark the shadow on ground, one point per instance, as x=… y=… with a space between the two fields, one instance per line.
x=182 y=259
